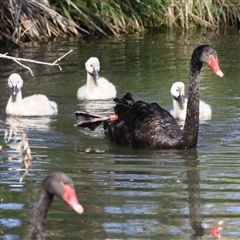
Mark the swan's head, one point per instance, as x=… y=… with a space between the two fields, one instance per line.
x=208 y=55
x=15 y=82
x=93 y=67
x=60 y=184
x=178 y=91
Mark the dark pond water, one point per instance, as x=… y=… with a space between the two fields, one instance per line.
x=126 y=193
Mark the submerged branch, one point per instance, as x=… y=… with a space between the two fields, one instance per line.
x=17 y=60
x=16 y=135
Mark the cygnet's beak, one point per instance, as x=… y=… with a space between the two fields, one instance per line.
x=14 y=90
x=14 y=93
x=181 y=98
x=95 y=74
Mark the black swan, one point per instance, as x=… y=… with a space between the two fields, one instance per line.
x=55 y=184
x=179 y=110
x=35 y=105
x=96 y=88
x=147 y=125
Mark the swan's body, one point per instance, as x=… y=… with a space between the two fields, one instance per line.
x=147 y=125
x=96 y=88
x=179 y=110
x=35 y=105
x=55 y=184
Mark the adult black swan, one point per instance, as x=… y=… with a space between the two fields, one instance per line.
x=55 y=184
x=147 y=125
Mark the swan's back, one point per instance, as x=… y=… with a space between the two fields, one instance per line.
x=39 y=104
x=96 y=88
x=144 y=125
x=103 y=90
x=35 y=105
x=205 y=110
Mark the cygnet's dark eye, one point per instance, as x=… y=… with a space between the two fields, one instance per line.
x=92 y=67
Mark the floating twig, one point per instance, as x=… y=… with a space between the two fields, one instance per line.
x=19 y=60
x=28 y=68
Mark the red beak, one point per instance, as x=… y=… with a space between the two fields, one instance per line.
x=70 y=197
x=215 y=66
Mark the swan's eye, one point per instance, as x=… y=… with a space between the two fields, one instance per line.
x=93 y=69
x=18 y=84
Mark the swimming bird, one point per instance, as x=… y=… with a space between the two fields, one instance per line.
x=58 y=184
x=35 y=105
x=139 y=124
x=179 y=110
x=96 y=87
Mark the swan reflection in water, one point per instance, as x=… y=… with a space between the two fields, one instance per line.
x=146 y=194
x=22 y=128
x=30 y=123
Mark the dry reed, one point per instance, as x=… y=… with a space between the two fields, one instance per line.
x=29 y=20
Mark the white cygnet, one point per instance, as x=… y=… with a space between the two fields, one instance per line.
x=180 y=104
x=35 y=105
x=96 y=88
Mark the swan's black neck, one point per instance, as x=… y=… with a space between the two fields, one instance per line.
x=44 y=200
x=190 y=130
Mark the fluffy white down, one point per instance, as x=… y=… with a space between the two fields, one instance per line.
x=180 y=109
x=96 y=88
x=35 y=105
